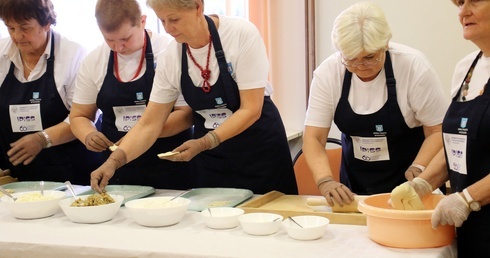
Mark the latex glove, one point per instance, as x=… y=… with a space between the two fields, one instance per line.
x=100 y=177
x=333 y=190
x=452 y=210
x=191 y=148
x=26 y=149
x=412 y=172
x=96 y=141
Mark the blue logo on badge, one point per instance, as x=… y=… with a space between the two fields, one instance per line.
x=139 y=95
x=379 y=128
x=230 y=68
x=219 y=100
x=464 y=122
x=35 y=95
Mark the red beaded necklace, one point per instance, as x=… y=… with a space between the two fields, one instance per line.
x=140 y=66
x=205 y=73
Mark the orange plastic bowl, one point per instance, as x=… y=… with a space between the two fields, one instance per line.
x=404 y=228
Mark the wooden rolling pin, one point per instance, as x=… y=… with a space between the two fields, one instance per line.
x=352 y=207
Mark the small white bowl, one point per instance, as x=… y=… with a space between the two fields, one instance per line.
x=158 y=211
x=313 y=227
x=91 y=214
x=36 y=207
x=260 y=223
x=222 y=217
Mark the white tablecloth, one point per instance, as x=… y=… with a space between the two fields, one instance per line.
x=56 y=236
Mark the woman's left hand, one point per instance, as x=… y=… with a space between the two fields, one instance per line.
x=191 y=148
x=25 y=149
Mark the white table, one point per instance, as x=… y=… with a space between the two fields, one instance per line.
x=56 y=236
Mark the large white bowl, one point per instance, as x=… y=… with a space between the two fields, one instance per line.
x=222 y=217
x=158 y=211
x=312 y=227
x=260 y=223
x=36 y=208
x=91 y=214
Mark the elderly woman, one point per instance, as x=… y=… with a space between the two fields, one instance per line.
x=386 y=100
x=220 y=66
x=37 y=74
x=465 y=159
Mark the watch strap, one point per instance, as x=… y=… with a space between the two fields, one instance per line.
x=472 y=204
x=467 y=196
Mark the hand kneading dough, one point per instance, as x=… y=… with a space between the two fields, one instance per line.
x=404 y=197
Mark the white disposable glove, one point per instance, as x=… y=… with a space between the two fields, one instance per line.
x=452 y=210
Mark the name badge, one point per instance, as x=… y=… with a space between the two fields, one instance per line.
x=127 y=116
x=25 y=118
x=214 y=117
x=370 y=149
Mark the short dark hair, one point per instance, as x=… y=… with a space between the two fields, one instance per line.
x=24 y=10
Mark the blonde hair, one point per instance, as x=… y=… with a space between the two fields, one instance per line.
x=111 y=14
x=361 y=27
x=177 y=4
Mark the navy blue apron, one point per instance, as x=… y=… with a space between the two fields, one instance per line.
x=257 y=159
x=69 y=161
x=147 y=169
x=364 y=177
x=473 y=236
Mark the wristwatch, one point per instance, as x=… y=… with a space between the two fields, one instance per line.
x=473 y=204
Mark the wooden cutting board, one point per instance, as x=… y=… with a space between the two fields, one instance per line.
x=295 y=205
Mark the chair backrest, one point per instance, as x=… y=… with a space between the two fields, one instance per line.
x=304 y=178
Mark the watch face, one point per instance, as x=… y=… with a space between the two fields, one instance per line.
x=475 y=206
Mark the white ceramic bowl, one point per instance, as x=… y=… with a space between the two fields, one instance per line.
x=260 y=223
x=35 y=208
x=313 y=227
x=222 y=217
x=158 y=211
x=91 y=214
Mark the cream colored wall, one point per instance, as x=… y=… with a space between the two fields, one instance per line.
x=430 y=26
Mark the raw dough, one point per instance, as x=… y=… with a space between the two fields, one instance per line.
x=404 y=197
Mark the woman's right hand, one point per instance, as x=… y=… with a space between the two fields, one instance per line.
x=100 y=177
x=333 y=190
x=96 y=141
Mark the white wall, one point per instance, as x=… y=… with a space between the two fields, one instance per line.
x=430 y=26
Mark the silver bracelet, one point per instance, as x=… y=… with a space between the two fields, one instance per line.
x=48 y=141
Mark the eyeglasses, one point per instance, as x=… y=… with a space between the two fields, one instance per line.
x=367 y=60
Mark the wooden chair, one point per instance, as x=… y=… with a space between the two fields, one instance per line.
x=304 y=178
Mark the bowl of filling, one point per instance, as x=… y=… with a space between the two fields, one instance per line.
x=158 y=211
x=33 y=204
x=94 y=208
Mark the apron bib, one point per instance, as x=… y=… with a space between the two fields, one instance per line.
x=257 y=159
x=377 y=148
x=466 y=139
x=122 y=104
